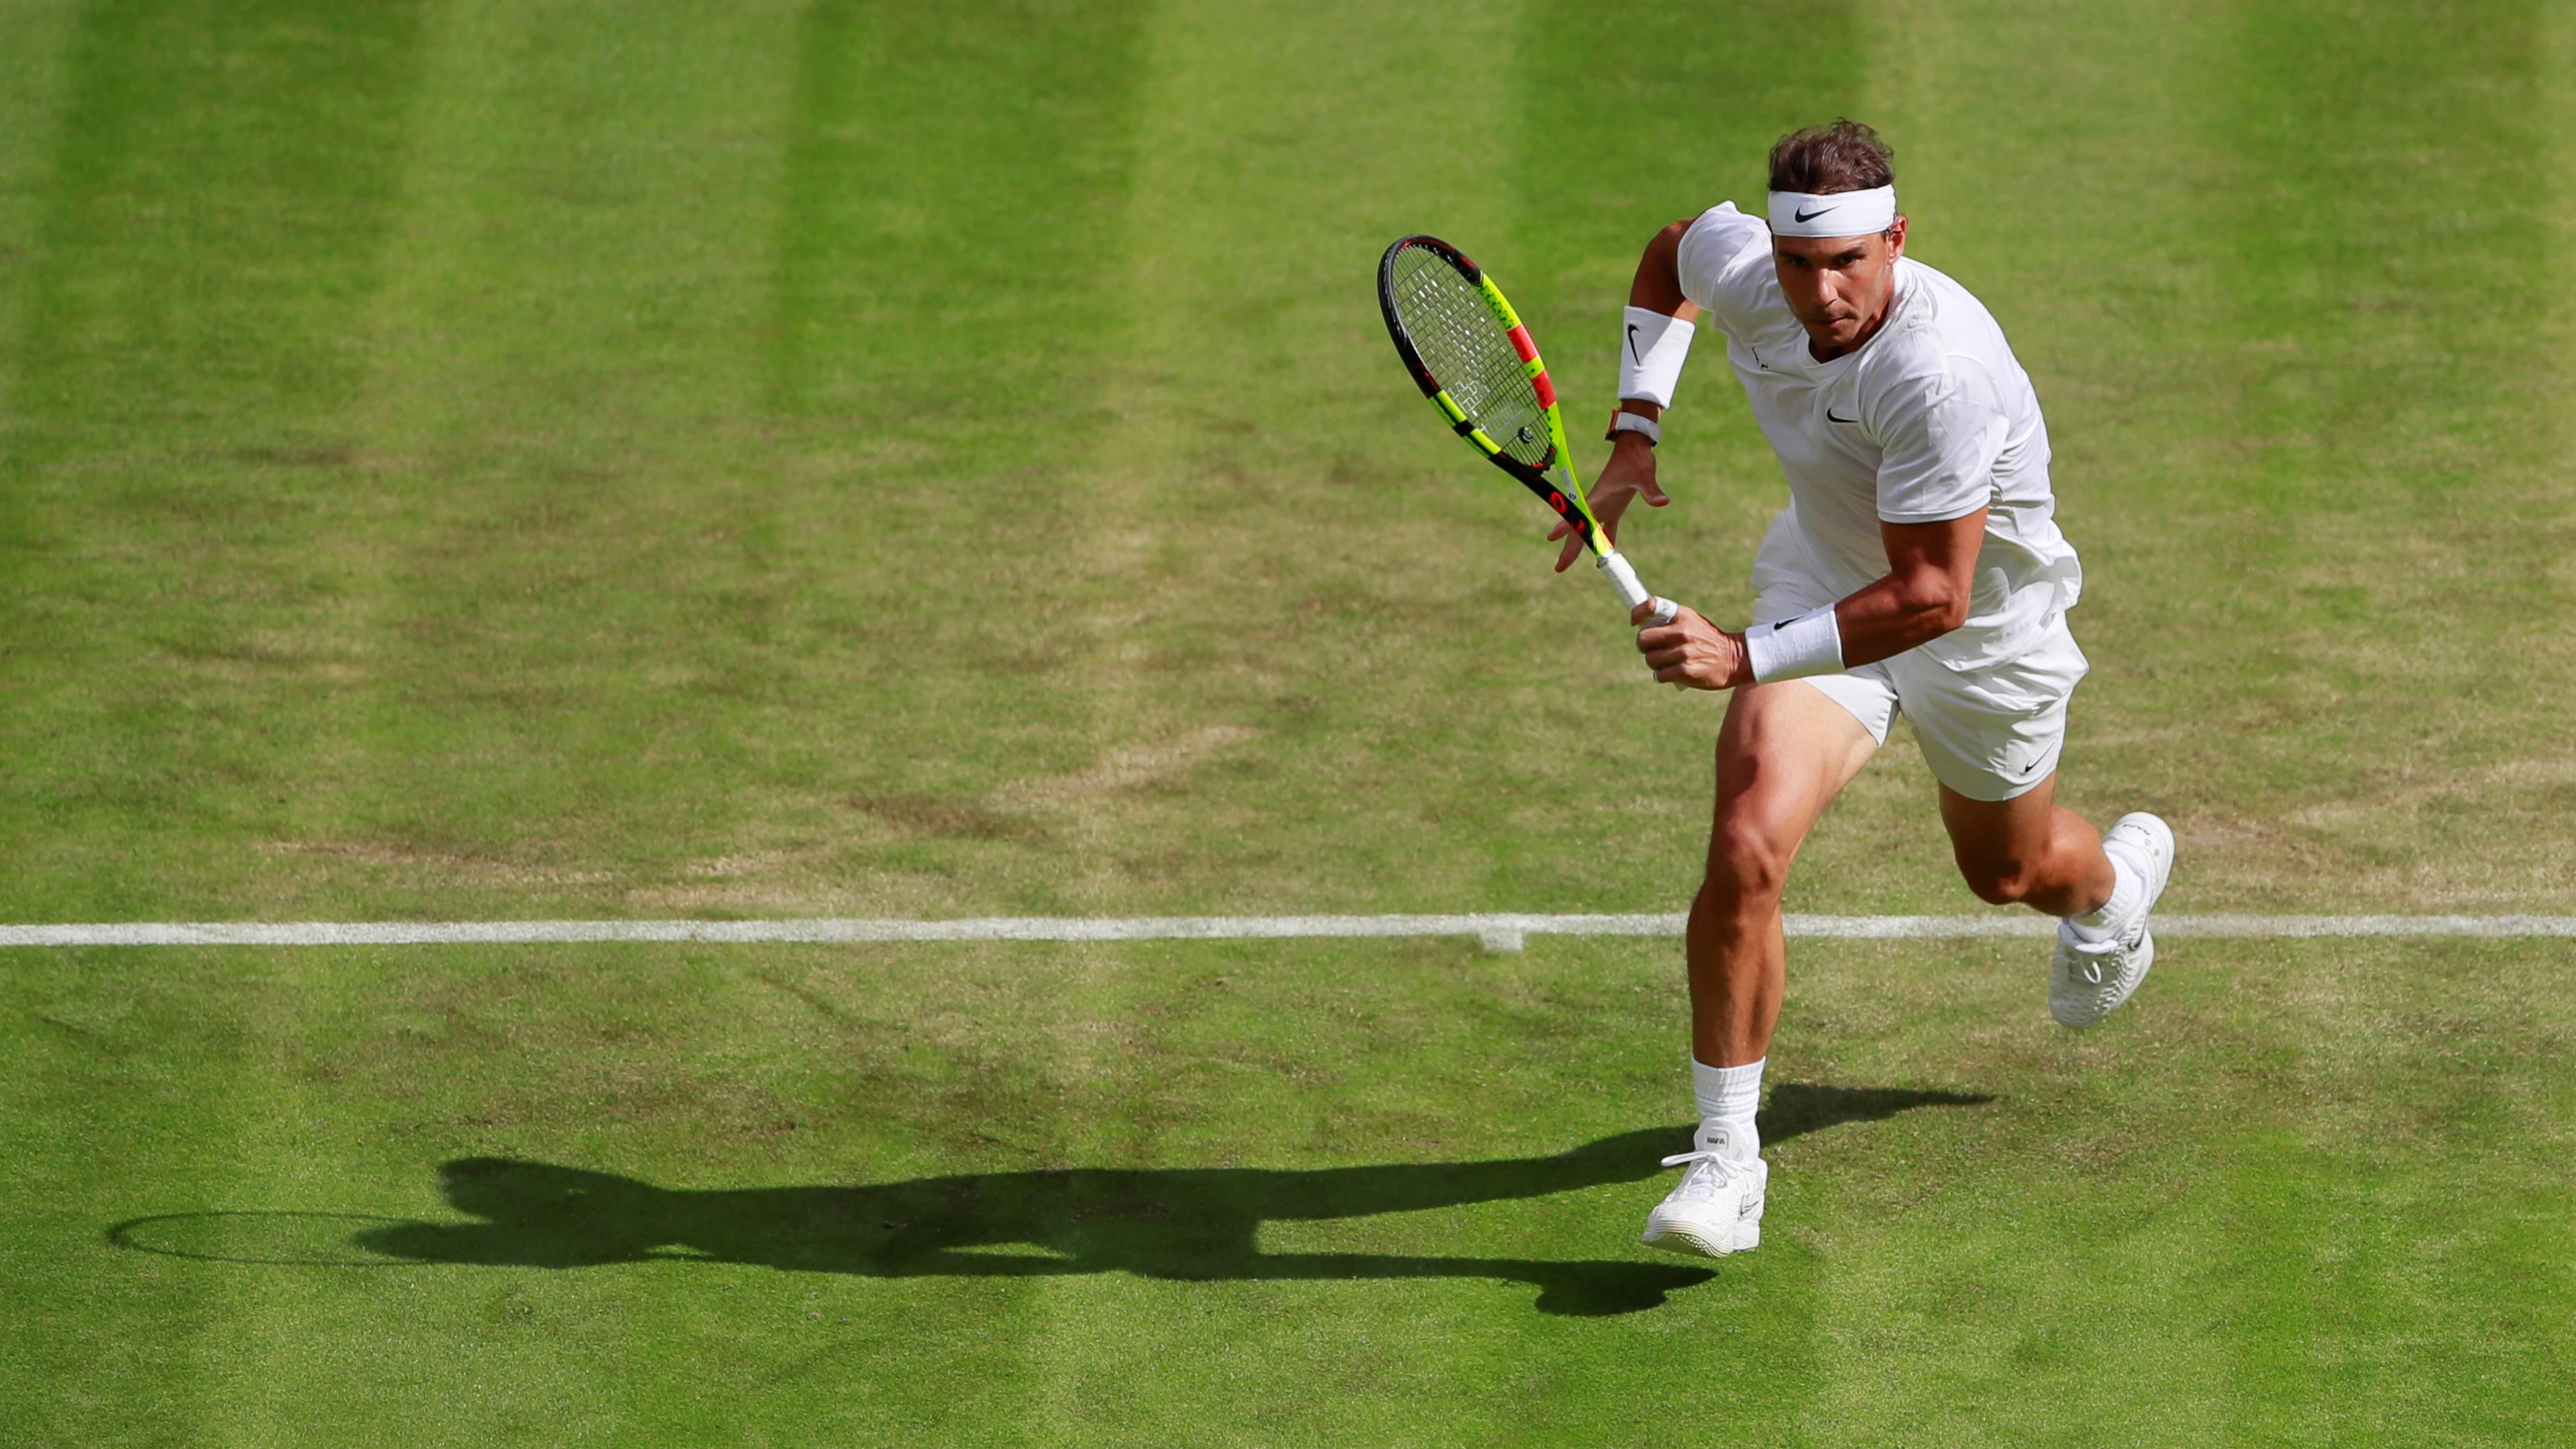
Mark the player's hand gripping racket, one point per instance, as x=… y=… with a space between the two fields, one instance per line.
x=1472 y=357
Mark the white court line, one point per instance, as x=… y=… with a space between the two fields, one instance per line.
x=1501 y=932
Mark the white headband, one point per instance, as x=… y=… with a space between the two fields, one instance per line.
x=1841 y=213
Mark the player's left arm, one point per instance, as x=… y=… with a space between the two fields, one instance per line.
x=1925 y=593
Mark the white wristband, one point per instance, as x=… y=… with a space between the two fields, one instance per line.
x=1809 y=644
x=1652 y=347
x=1624 y=421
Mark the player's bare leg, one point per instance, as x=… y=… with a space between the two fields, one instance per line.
x=2031 y=851
x=1784 y=753
x=2028 y=851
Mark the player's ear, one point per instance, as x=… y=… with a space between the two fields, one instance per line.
x=1896 y=237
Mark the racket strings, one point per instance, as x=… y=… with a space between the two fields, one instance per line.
x=1467 y=351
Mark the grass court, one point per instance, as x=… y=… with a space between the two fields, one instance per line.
x=465 y=460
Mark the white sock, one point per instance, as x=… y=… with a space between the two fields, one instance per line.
x=1729 y=1095
x=2128 y=891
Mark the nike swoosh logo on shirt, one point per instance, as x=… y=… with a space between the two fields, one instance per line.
x=1807 y=216
x=1829 y=417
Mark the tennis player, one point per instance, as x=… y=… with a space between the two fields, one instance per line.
x=1917 y=568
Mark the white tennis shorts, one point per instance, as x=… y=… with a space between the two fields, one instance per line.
x=1990 y=733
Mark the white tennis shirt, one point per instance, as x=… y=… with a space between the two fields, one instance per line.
x=1931 y=419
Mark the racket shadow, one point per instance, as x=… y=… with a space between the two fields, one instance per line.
x=1179 y=1224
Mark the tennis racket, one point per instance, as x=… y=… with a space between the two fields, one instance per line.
x=1471 y=356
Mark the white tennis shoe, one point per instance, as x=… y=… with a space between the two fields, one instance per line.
x=2089 y=979
x=1717 y=1209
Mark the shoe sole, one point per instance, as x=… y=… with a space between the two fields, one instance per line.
x=1691 y=1241
x=1691 y=1244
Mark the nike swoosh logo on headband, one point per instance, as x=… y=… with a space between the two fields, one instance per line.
x=1807 y=216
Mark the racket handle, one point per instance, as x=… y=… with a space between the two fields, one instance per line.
x=1623 y=580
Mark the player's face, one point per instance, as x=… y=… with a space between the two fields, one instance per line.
x=1839 y=286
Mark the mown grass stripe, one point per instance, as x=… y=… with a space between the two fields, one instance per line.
x=1501 y=930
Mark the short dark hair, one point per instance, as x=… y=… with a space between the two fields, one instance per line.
x=1821 y=160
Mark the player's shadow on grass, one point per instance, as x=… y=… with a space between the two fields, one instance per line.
x=1197 y=1224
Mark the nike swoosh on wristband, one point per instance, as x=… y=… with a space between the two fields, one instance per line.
x=1632 y=344
x=1807 y=216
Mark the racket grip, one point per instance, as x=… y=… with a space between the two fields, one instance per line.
x=1623 y=580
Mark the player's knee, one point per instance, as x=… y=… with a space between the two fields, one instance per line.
x=1746 y=869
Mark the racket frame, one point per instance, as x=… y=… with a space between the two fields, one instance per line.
x=1565 y=497
x=1555 y=484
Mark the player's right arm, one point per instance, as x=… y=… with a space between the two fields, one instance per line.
x=1630 y=472
x=1926 y=592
